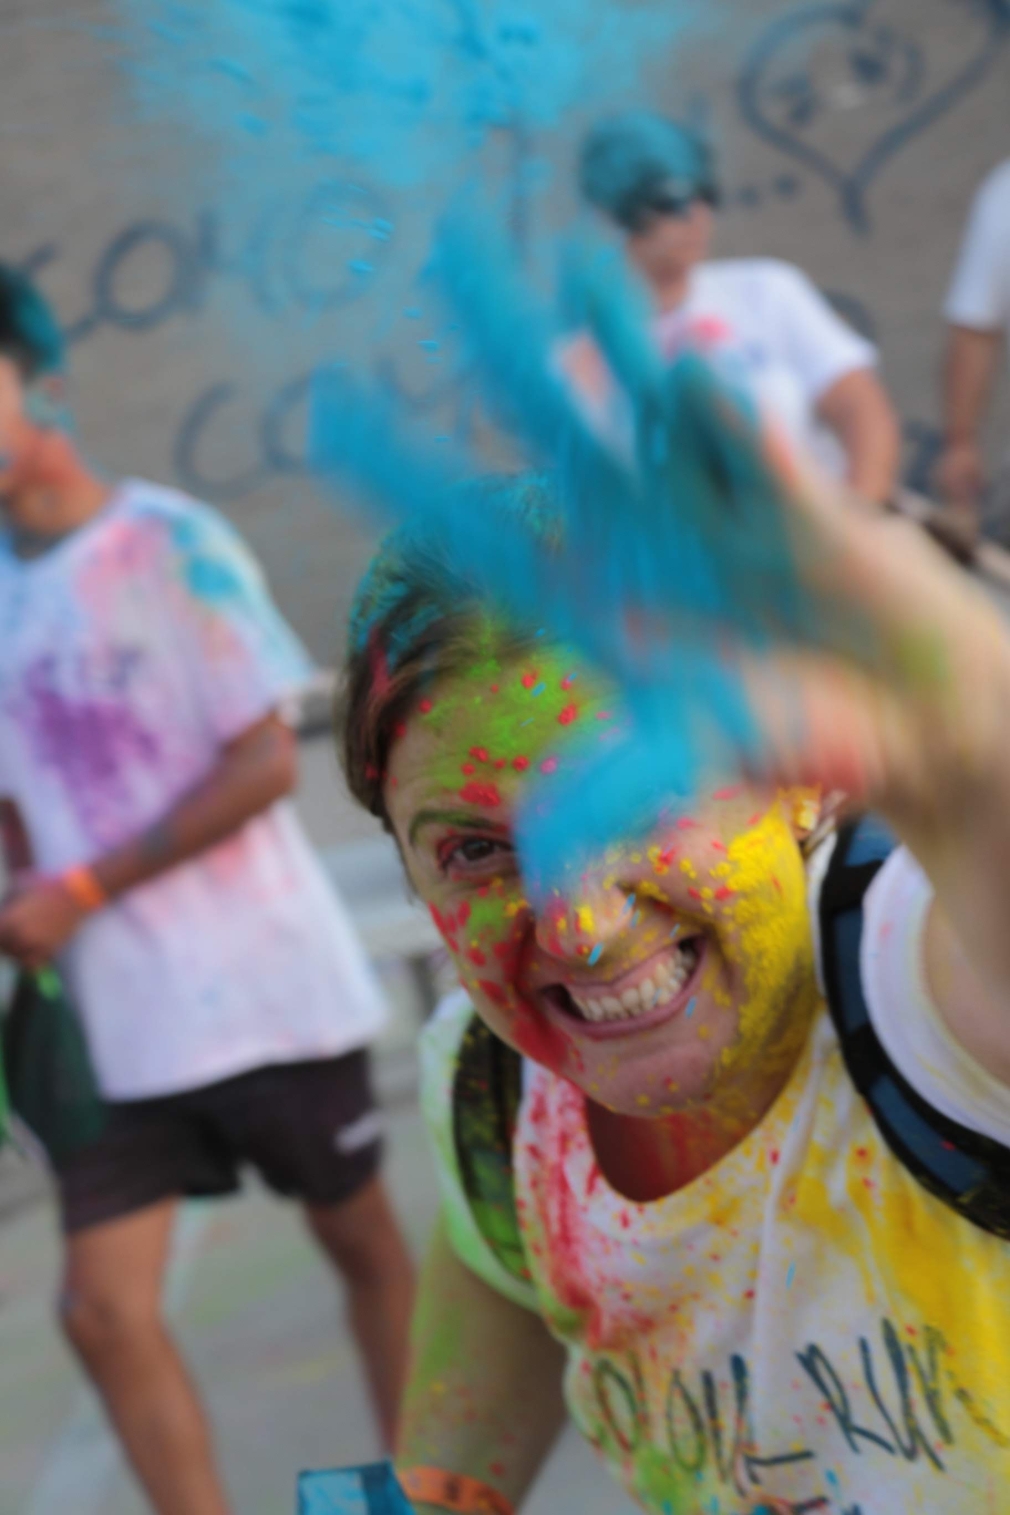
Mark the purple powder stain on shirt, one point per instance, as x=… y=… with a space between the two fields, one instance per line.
x=91 y=743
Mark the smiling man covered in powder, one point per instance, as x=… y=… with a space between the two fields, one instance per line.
x=226 y=1003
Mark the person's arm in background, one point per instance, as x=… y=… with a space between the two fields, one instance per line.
x=858 y=410
x=836 y=368
x=255 y=769
x=971 y=360
x=977 y=312
x=484 y=1396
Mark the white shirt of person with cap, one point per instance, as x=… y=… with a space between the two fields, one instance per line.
x=978 y=323
x=760 y=321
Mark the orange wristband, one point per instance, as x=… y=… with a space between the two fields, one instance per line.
x=84 y=888
x=452 y=1491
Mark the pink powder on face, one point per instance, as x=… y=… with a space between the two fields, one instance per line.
x=481 y=794
x=549 y=765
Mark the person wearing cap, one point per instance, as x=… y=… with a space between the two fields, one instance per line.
x=761 y=321
x=978 y=322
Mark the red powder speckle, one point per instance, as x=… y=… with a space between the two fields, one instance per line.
x=371 y=772
x=497 y=1469
x=719 y=846
x=463 y=914
x=724 y=892
x=529 y=679
x=685 y=823
x=694 y=894
x=754 y=819
x=568 y=715
x=494 y=992
x=425 y=707
x=568 y=680
x=499 y=763
x=728 y=794
x=549 y=765
x=774 y=1156
x=520 y=764
x=477 y=957
x=481 y=794
x=400 y=729
x=495 y=688
x=467 y=768
x=775 y=881
x=479 y=754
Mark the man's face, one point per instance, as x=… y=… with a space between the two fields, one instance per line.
x=668 y=971
x=668 y=245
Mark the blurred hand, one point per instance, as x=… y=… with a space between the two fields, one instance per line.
x=960 y=476
x=900 y=695
x=37 y=920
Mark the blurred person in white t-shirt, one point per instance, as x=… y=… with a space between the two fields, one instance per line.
x=226 y=1003
x=978 y=322
x=760 y=321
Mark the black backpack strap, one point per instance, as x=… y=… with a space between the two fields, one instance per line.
x=968 y=1171
x=486 y=1092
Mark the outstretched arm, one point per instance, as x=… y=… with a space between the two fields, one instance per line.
x=484 y=1395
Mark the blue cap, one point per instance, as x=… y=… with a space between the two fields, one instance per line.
x=639 y=162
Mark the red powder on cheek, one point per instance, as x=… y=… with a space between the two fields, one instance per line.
x=467 y=768
x=479 y=754
x=543 y=1043
x=528 y=680
x=520 y=764
x=568 y=715
x=425 y=707
x=481 y=794
x=477 y=957
x=724 y=892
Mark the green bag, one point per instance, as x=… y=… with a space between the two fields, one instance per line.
x=51 y=1084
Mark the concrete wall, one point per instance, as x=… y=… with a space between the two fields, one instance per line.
x=852 y=138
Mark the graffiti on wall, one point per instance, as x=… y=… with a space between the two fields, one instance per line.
x=835 y=87
x=841 y=90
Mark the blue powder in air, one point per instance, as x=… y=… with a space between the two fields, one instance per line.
x=660 y=542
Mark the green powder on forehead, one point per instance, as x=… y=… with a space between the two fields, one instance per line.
x=504 y=715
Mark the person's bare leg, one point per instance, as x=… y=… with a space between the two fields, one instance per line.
x=363 y=1240
x=111 y=1313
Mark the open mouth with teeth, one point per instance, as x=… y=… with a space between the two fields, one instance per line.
x=660 y=984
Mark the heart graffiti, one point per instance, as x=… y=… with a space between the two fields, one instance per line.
x=823 y=59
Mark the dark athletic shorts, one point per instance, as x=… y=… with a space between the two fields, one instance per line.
x=311 y=1129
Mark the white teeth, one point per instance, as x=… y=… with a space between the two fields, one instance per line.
x=669 y=975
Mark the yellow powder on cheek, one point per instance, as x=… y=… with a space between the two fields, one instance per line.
x=771 y=942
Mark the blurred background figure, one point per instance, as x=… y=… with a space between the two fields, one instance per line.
x=978 y=319
x=226 y=1003
x=760 y=319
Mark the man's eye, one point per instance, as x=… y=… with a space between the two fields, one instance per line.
x=471 y=852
